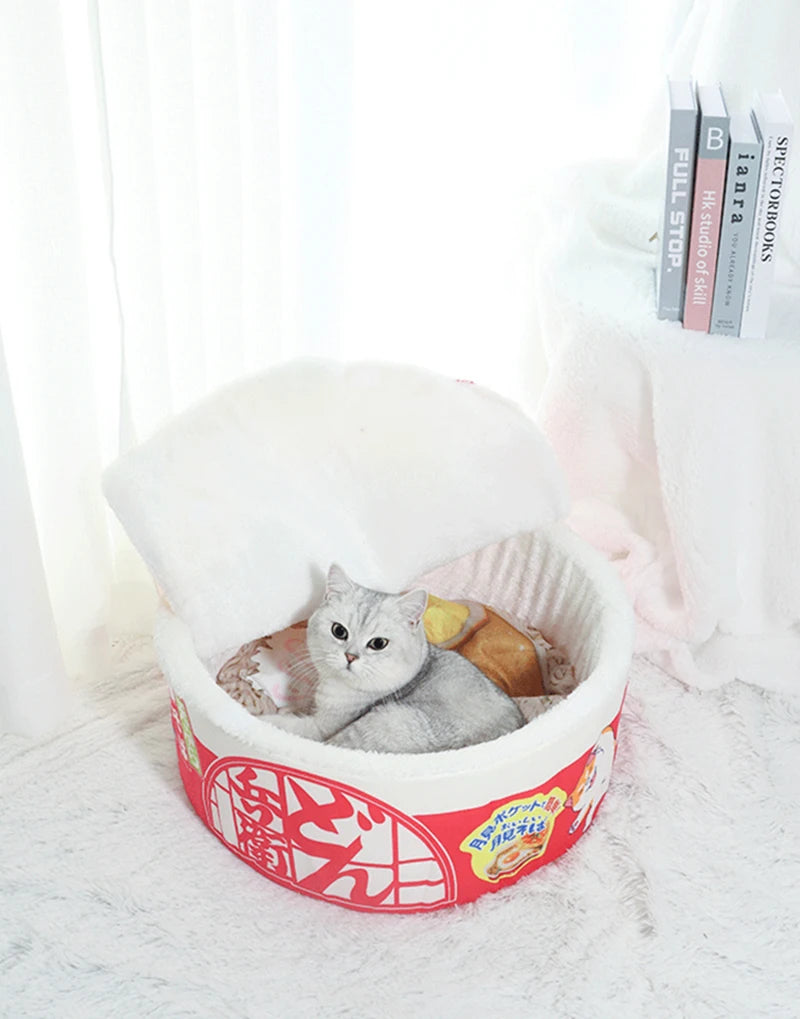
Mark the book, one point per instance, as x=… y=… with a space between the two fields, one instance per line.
x=676 y=215
x=774 y=123
x=709 y=187
x=738 y=213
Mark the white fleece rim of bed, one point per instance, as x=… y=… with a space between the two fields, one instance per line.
x=551 y=577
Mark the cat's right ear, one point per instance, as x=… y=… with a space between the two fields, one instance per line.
x=412 y=606
x=338 y=583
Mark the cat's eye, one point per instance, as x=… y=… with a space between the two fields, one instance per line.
x=377 y=643
x=339 y=631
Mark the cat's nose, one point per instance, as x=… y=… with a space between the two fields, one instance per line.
x=350 y=657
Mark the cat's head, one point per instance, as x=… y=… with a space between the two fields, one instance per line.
x=372 y=642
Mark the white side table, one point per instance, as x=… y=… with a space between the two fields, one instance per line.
x=682 y=452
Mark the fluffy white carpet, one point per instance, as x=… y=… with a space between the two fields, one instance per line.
x=682 y=900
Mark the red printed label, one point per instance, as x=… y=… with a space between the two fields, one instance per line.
x=326 y=839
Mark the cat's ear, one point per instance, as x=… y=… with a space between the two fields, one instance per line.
x=412 y=606
x=338 y=582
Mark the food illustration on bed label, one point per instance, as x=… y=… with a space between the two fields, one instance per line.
x=515 y=834
x=593 y=782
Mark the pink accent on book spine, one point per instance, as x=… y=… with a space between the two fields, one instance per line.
x=709 y=186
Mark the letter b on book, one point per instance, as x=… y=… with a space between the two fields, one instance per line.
x=715 y=139
x=709 y=187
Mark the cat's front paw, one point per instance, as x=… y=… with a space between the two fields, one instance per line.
x=300 y=725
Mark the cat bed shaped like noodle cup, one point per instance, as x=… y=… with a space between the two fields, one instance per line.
x=238 y=507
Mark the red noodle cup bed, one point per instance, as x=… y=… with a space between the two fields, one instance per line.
x=391 y=832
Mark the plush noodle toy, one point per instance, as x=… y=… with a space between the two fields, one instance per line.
x=500 y=650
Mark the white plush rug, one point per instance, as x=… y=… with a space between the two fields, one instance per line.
x=682 y=900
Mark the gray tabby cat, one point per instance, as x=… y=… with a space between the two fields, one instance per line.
x=383 y=686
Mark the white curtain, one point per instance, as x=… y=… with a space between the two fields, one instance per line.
x=194 y=190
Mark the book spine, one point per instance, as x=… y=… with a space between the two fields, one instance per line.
x=761 y=269
x=709 y=187
x=738 y=213
x=677 y=213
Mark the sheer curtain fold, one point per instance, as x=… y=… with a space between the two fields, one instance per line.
x=192 y=191
x=46 y=326
x=30 y=652
x=142 y=259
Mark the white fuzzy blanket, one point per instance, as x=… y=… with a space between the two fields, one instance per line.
x=240 y=505
x=682 y=900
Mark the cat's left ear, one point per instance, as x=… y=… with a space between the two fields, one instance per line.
x=412 y=606
x=338 y=583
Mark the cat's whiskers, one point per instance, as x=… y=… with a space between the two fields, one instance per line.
x=303 y=665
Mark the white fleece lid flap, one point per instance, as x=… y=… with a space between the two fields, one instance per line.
x=239 y=505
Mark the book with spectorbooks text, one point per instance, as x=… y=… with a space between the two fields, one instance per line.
x=738 y=212
x=709 y=188
x=774 y=123
x=676 y=216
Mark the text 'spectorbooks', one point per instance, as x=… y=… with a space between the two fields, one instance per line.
x=674 y=234
x=709 y=187
x=738 y=211
x=774 y=123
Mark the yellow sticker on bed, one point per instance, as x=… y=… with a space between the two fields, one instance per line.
x=515 y=834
